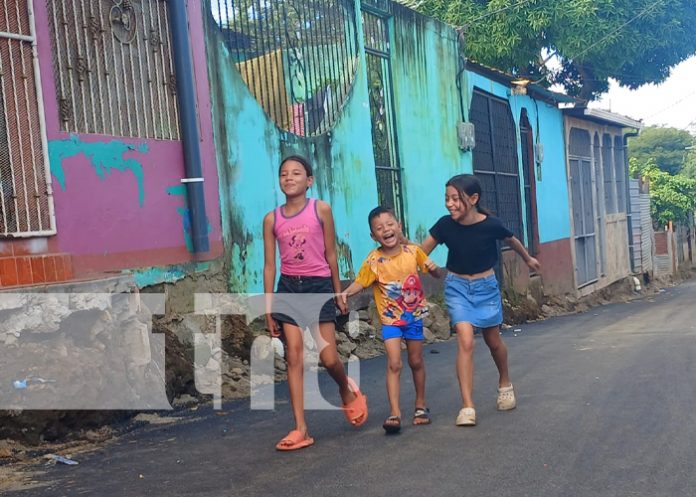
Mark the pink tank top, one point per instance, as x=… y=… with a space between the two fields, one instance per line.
x=301 y=242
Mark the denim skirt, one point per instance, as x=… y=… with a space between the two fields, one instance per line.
x=319 y=307
x=474 y=301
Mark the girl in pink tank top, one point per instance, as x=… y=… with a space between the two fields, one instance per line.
x=301 y=241
x=303 y=229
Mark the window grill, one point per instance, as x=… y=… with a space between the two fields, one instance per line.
x=495 y=159
x=26 y=207
x=113 y=65
x=298 y=57
x=381 y=98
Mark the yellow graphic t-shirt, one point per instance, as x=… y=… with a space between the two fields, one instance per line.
x=396 y=285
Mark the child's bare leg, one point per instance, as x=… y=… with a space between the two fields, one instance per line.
x=465 y=362
x=415 y=362
x=499 y=352
x=393 y=349
x=328 y=353
x=295 y=359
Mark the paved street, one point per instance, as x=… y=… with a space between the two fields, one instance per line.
x=606 y=405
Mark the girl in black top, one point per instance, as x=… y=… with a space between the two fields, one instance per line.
x=471 y=289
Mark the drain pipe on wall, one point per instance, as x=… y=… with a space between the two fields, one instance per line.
x=186 y=97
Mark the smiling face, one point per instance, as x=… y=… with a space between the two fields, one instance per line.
x=460 y=205
x=386 y=230
x=293 y=179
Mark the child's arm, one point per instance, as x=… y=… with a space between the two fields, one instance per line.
x=434 y=270
x=429 y=244
x=352 y=289
x=269 y=271
x=365 y=278
x=327 y=220
x=517 y=246
x=426 y=262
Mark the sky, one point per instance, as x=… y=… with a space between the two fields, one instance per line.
x=671 y=103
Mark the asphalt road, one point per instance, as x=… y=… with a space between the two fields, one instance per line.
x=606 y=403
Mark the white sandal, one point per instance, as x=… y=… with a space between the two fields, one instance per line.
x=466 y=417
x=506 y=398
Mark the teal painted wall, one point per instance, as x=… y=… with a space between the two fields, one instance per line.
x=425 y=62
x=424 y=67
x=552 y=190
x=249 y=149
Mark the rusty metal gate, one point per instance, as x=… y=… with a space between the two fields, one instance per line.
x=26 y=204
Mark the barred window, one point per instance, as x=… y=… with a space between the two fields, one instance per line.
x=298 y=57
x=113 y=65
x=25 y=203
x=495 y=159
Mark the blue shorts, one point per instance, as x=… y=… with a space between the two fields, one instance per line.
x=412 y=331
x=474 y=301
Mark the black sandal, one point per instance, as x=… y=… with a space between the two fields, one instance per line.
x=392 y=427
x=423 y=415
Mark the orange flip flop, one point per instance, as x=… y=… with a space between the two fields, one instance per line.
x=294 y=440
x=356 y=410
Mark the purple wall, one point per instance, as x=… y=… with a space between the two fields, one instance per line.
x=119 y=201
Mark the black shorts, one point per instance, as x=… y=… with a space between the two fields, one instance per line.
x=306 y=312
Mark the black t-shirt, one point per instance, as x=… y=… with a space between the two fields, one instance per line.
x=472 y=248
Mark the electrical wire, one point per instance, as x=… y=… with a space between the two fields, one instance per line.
x=605 y=37
x=671 y=105
x=615 y=31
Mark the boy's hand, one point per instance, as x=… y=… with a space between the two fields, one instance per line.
x=533 y=264
x=272 y=326
x=342 y=302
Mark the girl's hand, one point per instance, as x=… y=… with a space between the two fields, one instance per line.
x=272 y=326
x=342 y=302
x=430 y=265
x=533 y=264
x=434 y=270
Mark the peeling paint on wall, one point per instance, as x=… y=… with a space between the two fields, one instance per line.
x=345 y=259
x=172 y=274
x=185 y=214
x=103 y=157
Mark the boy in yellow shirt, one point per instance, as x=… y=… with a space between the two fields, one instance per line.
x=392 y=271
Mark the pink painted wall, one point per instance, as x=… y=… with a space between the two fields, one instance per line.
x=100 y=221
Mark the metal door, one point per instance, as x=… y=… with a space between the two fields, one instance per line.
x=583 y=209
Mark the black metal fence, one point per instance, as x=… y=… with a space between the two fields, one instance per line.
x=298 y=57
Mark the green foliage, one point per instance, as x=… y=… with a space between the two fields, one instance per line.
x=667 y=146
x=634 y=42
x=689 y=169
x=672 y=197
